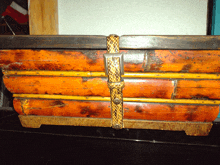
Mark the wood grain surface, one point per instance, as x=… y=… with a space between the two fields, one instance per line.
x=83 y=86
x=179 y=61
x=182 y=61
x=200 y=89
x=65 y=60
x=99 y=109
x=43 y=17
x=190 y=128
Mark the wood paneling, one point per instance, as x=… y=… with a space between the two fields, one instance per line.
x=94 y=109
x=87 y=86
x=181 y=61
x=65 y=60
x=192 y=61
x=43 y=17
x=202 y=89
x=126 y=99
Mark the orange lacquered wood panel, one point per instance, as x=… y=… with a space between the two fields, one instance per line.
x=145 y=111
x=185 y=61
x=75 y=60
x=84 y=86
x=193 y=61
x=200 y=89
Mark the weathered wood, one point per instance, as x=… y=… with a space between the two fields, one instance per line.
x=66 y=60
x=127 y=99
x=190 y=128
x=43 y=17
x=84 y=86
x=95 y=109
x=202 y=89
x=99 y=42
x=190 y=61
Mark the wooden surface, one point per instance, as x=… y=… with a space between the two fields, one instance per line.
x=200 y=89
x=87 y=97
x=131 y=99
x=43 y=17
x=134 y=88
x=179 y=61
x=183 y=61
x=101 y=109
x=83 y=86
x=190 y=128
x=65 y=60
x=99 y=42
x=102 y=74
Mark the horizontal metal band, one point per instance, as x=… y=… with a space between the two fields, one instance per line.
x=179 y=42
x=96 y=98
x=126 y=75
x=191 y=128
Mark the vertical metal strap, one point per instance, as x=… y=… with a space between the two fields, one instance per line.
x=114 y=69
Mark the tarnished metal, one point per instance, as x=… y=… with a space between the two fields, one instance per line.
x=121 y=62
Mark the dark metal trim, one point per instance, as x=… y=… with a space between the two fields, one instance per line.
x=99 y=42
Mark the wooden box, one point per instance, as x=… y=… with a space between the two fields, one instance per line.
x=171 y=82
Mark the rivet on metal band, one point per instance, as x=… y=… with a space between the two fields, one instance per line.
x=114 y=68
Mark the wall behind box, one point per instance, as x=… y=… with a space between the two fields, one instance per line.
x=138 y=17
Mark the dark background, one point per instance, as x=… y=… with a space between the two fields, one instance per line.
x=90 y=145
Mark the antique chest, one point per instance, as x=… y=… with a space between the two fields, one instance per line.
x=136 y=82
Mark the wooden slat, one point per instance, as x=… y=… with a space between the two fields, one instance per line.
x=99 y=42
x=184 y=61
x=66 y=60
x=190 y=61
x=190 y=128
x=102 y=74
x=43 y=17
x=94 y=109
x=84 y=86
x=125 y=99
x=202 y=89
